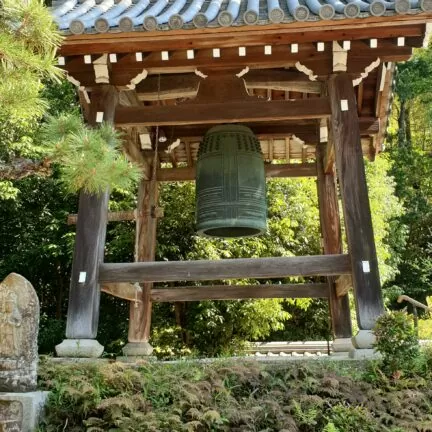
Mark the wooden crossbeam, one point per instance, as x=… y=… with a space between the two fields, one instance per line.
x=306 y=132
x=265 y=268
x=234 y=112
x=238 y=292
x=276 y=170
x=127 y=215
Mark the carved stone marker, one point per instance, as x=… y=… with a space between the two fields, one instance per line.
x=20 y=407
x=11 y=416
x=19 y=325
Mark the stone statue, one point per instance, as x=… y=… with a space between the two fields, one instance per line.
x=19 y=325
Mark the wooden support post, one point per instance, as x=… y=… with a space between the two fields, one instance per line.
x=332 y=244
x=145 y=249
x=84 y=293
x=358 y=222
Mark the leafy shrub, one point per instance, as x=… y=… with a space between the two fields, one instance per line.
x=397 y=342
x=350 y=419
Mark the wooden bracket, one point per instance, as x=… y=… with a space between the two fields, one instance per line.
x=343 y=285
x=123 y=290
x=101 y=70
x=308 y=72
x=366 y=72
x=340 y=56
x=137 y=79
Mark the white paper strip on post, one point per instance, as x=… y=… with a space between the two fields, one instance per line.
x=366 y=266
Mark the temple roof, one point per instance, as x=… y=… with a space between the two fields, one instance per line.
x=92 y=16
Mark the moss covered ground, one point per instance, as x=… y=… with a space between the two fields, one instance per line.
x=228 y=395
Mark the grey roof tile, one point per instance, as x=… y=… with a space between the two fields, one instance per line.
x=100 y=16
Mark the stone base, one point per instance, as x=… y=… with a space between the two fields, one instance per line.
x=342 y=345
x=364 y=339
x=364 y=354
x=18 y=375
x=137 y=349
x=89 y=348
x=21 y=412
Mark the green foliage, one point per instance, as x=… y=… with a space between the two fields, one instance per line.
x=229 y=396
x=409 y=143
x=425 y=329
x=412 y=170
x=89 y=158
x=385 y=209
x=351 y=419
x=28 y=43
x=397 y=342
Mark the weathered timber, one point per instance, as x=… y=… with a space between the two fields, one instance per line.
x=314 y=265
x=84 y=293
x=128 y=215
x=234 y=112
x=343 y=285
x=276 y=170
x=332 y=244
x=353 y=189
x=123 y=290
x=145 y=248
x=237 y=292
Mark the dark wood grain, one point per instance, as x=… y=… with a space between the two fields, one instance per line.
x=83 y=306
x=237 y=292
x=353 y=188
x=332 y=244
x=313 y=265
x=228 y=112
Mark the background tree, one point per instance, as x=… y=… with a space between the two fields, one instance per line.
x=28 y=44
x=410 y=146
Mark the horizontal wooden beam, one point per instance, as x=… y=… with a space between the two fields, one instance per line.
x=306 y=132
x=265 y=268
x=238 y=292
x=276 y=170
x=234 y=112
x=127 y=215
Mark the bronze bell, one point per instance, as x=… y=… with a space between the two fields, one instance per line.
x=230 y=184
